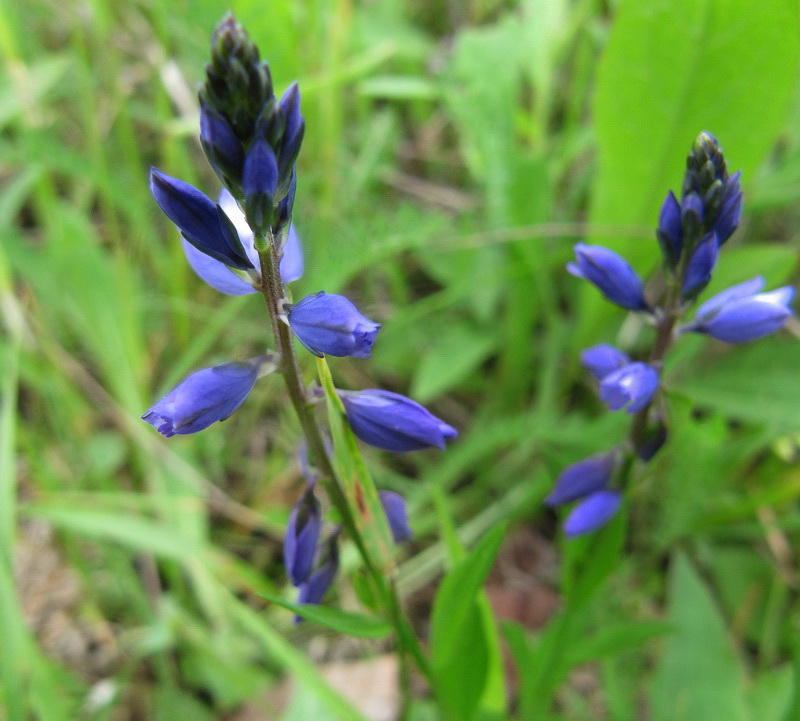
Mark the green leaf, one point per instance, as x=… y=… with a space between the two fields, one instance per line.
x=699 y=675
x=350 y=624
x=460 y=640
x=357 y=483
x=140 y=534
x=673 y=68
x=756 y=382
x=448 y=359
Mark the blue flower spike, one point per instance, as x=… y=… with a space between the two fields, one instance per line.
x=394 y=506
x=200 y=221
x=207 y=396
x=329 y=324
x=302 y=536
x=632 y=385
x=741 y=313
x=592 y=512
x=583 y=478
x=612 y=275
x=394 y=422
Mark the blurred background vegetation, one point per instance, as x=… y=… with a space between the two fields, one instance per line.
x=454 y=153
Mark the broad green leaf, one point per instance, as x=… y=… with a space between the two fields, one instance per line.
x=350 y=624
x=755 y=382
x=614 y=639
x=352 y=473
x=699 y=675
x=770 y=695
x=673 y=68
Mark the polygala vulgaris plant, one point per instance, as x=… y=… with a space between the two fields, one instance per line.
x=691 y=233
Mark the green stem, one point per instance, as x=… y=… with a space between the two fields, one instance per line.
x=273 y=291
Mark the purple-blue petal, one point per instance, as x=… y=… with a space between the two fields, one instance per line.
x=291 y=265
x=394 y=422
x=670 y=233
x=198 y=219
x=700 y=266
x=329 y=324
x=592 y=513
x=633 y=385
x=394 y=505
x=582 y=478
x=734 y=293
x=612 y=275
x=216 y=274
x=302 y=536
x=205 y=397
x=602 y=359
x=750 y=318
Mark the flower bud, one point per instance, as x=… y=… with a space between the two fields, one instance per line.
x=222 y=148
x=592 y=512
x=669 y=232
x=313 y=590
x=617 y=281
x=393 y=422
x=394 y=506
x=302 y=535
x=741 y=313
x=329 y=324
x=633 y=385
x=583 y=478
x=259 y=182
x=698 y=269
x=602 y=359
x=205 y=397
x=200 y=221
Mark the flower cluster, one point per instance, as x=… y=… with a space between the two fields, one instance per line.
x=690 y=234
x=246 y=243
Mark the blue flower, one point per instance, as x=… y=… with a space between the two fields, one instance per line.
x=602 y=359
x=669 y=232
x=200 y=221
x=259 y=183
x=223 y=149
x=699 y=267
x=222 y=278
x=741 y=313
x=393 y=422
x=633 y=385
x=611 y=274
x=592 y=512
x=394 y=506
x=294 y=130
x=302 y=535
x=329 y=324
x=730 y=209
x=316 y=586
x=205 y=397
x=583 y=478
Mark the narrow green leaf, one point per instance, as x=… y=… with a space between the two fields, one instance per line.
x=699 y=675
x=462 y=632
x=350 y=624
x=352 y=473
x=142 y=535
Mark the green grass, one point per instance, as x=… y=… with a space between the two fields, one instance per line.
x=453 y=156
